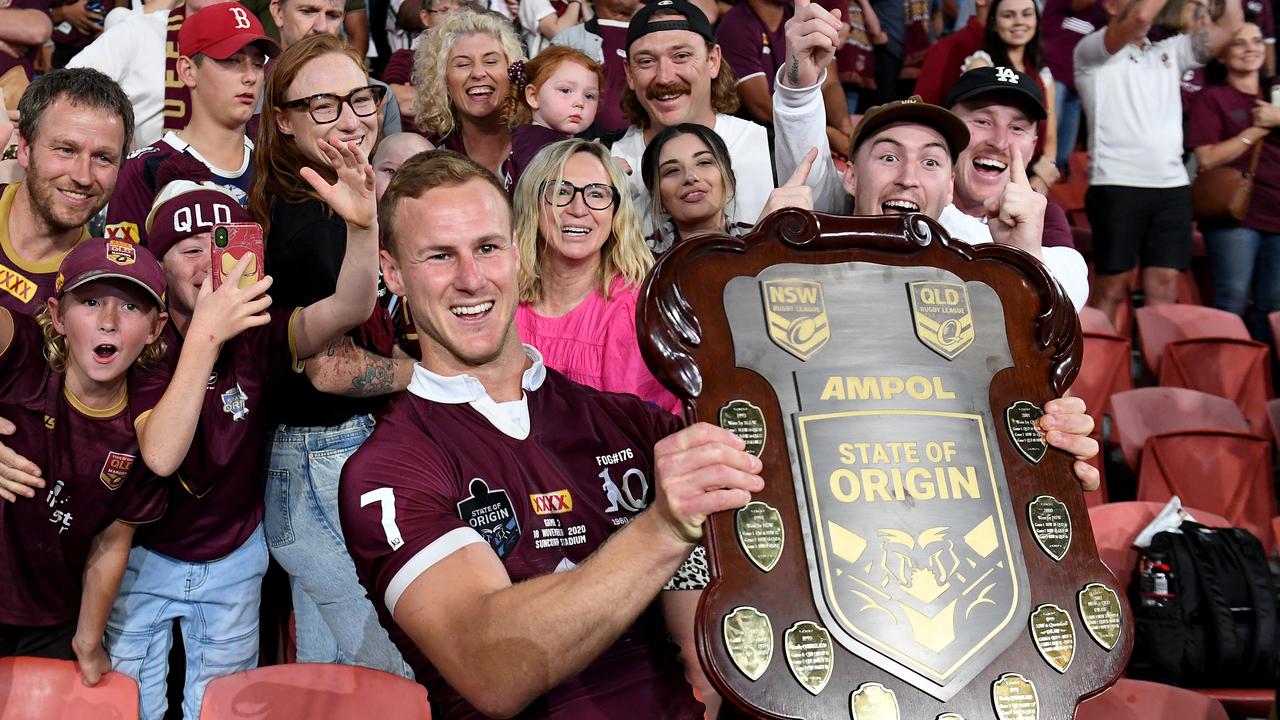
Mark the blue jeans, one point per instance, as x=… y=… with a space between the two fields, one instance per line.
x=1246 y=267
x=1067 y=104
x=216 y=605
x=336 y=623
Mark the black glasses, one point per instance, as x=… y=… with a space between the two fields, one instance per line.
x=597 y=196
x=325 y=108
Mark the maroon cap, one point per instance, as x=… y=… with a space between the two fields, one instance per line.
x=184 y=208
x=221 y=30
x=102 y=259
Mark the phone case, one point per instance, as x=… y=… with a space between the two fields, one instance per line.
x=231 y=241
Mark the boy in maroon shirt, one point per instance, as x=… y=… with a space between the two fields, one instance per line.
x=202 y=418
x=63 y=552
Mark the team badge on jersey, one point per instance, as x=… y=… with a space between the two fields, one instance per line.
x=116 y=469
x=233 y=402
x=490 y=513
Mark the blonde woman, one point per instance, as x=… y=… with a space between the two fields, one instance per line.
x=460 y=72
x=582 y=259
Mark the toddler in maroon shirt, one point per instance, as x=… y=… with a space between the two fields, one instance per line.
x=553 y=97
x=64 y=544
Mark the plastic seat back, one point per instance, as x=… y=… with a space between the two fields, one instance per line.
x=1238 y=370
x=1228 y=473
x=38 y=688
x=316 y=691
x=1115 y=525
x=1159 y=325
x=1144 y=412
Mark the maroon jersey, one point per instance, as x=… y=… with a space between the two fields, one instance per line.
x=749 y=46
x=94 y=475
x=216 y=502
x=24 y=286
x=437 y=476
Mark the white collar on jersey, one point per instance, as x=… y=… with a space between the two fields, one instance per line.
x=511 y=417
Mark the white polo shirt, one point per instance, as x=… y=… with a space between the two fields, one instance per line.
x=1134 y=105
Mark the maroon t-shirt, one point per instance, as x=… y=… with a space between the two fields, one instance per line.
x=94 y=476
x=216 y=501
x=613 y=38
x=1220 y=112
x=434 y=475
x=28 y=58
x=749 y=46
x=1057 y=230
x=399 y=69
x=1061 y=29
x=526 y=141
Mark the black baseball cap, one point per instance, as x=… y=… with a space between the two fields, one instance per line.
x=1018 y=87
x=694 y=20
x=917 y=111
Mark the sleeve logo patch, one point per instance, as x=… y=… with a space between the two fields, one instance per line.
x=490 y=513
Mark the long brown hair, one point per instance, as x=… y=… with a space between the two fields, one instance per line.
x=516 y=109
x=277 y=159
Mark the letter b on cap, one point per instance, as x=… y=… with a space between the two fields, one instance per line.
x=242 y=18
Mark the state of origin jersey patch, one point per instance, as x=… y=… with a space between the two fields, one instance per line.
x=490 y=513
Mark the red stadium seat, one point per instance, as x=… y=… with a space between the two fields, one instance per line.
x=38 y=688
x=1225 y=472
x=316 y=691
x=1273 y=413
x=1141 y=413
x=1159 y=325
x=1142 y=700
x=1105 y=368
x=1115 y=525
x=1274 y=320
x=1238 y=370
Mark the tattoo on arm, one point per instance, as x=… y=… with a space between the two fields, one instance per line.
x=1200 y=45
x=793 y=73
x=378 y=377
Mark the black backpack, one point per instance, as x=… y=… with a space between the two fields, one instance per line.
x=1204 y=610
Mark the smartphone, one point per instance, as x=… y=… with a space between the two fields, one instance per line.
x=1275 y=95
x=232 y=241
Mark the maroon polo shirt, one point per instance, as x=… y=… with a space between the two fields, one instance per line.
x=749 y=46
x=215 y=502
x=94 y=475
x=1220 y=112
x=434 y=475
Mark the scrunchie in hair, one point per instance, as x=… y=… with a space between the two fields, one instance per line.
x=516 y=74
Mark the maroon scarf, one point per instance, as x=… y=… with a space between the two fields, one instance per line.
x=177 y=97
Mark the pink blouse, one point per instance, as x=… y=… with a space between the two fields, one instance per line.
x=595 y=344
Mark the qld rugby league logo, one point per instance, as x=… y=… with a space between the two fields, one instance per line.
x=796 y=315
x=943 y=320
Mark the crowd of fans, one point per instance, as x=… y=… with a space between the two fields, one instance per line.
x=459 y=201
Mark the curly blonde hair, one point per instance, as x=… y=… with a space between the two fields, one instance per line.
x=436 y=113
x=623 y=253
x=55 y=345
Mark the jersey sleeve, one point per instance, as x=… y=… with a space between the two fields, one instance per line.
x=397 y=504
x=22 y=361
x=282 y=348
x=148 y=496
x=1205 y=122
x=1091 y=52
x=147 y=384
x=131 y=201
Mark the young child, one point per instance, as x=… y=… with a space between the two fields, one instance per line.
x=553 y=97
x=64 y=549
x=203 y=418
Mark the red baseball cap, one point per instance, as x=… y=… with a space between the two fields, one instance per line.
x=221 y=30
x=101 y=259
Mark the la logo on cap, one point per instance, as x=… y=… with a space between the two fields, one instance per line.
x=1004 y=74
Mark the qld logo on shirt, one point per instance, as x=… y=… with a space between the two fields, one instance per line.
x=116 y=469
x=490 y=513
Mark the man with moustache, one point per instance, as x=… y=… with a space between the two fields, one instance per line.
x=73 y=131
x=222 y=52
x=1014 y=216
x=675 y=75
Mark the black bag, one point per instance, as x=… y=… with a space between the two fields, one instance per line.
x=1204 y=610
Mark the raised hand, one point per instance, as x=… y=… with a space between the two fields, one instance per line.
x=19 y=477
x=1016 y=217
x=813 y=37
x=794 y=192
x=230 y=310
x=351 y=196
x=701 y=470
